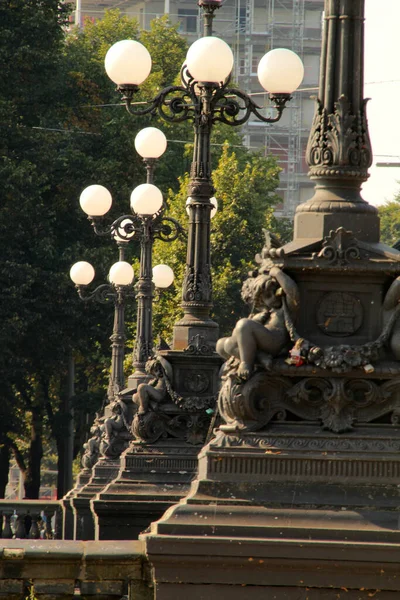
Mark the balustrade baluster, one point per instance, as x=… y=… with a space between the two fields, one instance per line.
x=34 y=532
x=7 y=533
x=48 y=513
x=20 y=531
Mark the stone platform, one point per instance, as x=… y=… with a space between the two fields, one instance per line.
x=289 y=514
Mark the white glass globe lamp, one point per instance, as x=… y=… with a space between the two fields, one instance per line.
x=163 y=276
x=82 y=273
x=128 y=236
x=146 y=199
x=128 y=62
x=150 y=142
x=280 y=71
x=214 y=209
x=209 y=59
x=121 y=273
x=95 y=200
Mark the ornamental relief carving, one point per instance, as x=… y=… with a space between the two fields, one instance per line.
x=336 y=403
x=197 y=286
x=265 y=441
x=339 y=314
x=339 y=142
x=162 y=413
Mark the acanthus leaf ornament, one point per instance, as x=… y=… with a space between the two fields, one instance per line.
x=336 y=403
x=197 y=285
x=339 y=143
x=340 y=246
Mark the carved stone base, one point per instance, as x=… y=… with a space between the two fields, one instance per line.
x=67 y=506
x=292 y=513
x=325 y=211
x=195 y=370
x=151 y=479
x=104 y=471
x=190 y=327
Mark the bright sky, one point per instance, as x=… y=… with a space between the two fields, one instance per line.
x=382 y=85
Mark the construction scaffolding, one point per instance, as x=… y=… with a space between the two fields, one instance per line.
x=288 y=33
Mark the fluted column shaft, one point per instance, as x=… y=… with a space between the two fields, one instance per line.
x=339 y=150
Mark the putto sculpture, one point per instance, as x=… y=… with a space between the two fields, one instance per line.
x=270 y=350
x=275 y=302
x=162 y=413
x=150 y=395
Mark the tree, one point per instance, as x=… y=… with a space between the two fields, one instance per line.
x=246 y=197
x=389 y=214
x=56 y=140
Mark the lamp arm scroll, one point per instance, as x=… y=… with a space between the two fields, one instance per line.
x=168 y=230
x=227 y=107
x=103 y=293
x=175 y=110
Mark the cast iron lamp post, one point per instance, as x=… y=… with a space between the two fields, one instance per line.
x=118 y=291
x=204 y=97
x=145 y=225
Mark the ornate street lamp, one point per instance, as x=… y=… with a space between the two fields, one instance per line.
x=117 y=291
x=204 y=97
x=146 y=224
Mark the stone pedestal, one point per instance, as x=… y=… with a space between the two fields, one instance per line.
x=152 y=478
x=291 y=513
x=67 y=505
x=157 y=469
x=104 y=471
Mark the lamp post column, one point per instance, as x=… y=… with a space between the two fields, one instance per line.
x=339 y=150
x=197 y=284
x=144 y=296
x=117 y=338
x=144 y=329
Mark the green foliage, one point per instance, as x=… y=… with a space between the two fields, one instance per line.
x=55 y=140
x=389 y=214
x=167 y=56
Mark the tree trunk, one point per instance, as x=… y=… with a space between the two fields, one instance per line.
x=62 y=425
x=5 y=454
x=60 y=442
x=32 y=477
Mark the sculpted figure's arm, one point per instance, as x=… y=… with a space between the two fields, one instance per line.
x=290 y=289
x=261 y=317
x=392 y=297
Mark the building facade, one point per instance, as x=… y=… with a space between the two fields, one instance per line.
x=252 y=27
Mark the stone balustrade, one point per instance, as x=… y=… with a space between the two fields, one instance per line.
x=32 y=519
x=65 y=570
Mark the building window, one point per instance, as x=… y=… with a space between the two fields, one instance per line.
x=188 y=20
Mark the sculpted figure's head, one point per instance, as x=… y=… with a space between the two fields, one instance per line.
x=262 y=292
